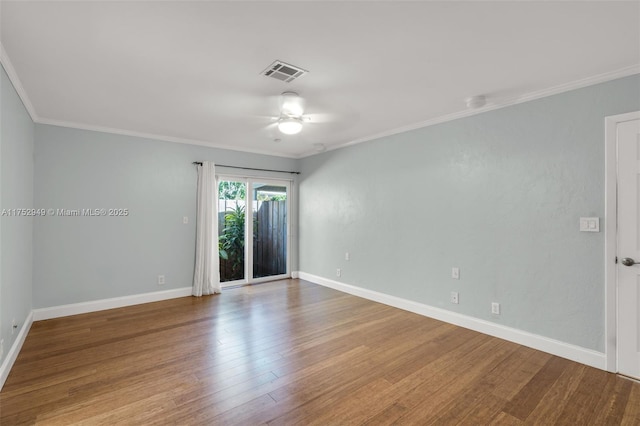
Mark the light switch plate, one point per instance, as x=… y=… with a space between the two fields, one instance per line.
x=589 y=224
x=455 y=273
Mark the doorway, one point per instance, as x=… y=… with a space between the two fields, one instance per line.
x=253 y=229
x=623 y=244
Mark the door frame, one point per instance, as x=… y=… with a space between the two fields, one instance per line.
x=611 y=237
x=248 y=224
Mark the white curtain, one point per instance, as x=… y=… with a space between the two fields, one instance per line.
x=206 y=277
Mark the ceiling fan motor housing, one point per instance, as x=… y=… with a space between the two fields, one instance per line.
x=291 y=104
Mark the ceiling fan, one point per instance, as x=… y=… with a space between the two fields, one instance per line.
x=292 y=117
x=291 y=113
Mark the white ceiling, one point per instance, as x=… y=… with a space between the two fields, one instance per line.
x=189 y=71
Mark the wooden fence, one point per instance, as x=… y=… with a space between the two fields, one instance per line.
x=269 y=242
x=270 y=239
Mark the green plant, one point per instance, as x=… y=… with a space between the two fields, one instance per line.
x=271 y=197
x=231 y=242
x=229 y=190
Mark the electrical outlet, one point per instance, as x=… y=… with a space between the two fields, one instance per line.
x=347 y=256
x=495 y=308
x=338 y=272
x=454 y=297
x=455 y=273
x=160 y=279
x=185 y=219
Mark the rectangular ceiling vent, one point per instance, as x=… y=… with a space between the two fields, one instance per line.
x=283 y=71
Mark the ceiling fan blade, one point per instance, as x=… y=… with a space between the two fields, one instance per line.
x=271 y=127
x=320 y=118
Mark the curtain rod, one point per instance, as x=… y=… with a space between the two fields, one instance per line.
x=249 y=168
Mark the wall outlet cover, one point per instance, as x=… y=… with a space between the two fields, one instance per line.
x=495 y=308
x=589 y=224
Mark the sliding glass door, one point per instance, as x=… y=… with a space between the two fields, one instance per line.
x=262 y=206
x=232 y=206
x=270 y=214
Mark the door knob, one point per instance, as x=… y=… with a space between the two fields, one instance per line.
x=627 y=261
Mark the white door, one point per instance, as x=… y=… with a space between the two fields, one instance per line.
x=628 y=250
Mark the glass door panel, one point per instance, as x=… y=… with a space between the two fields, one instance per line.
x=232 y=196
x=269 y=214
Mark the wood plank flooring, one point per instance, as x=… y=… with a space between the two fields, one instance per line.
x=291 y=352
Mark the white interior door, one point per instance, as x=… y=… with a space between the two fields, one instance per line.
x=628 y=272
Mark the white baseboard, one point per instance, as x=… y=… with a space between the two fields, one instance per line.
x=81 y=308
x=101 y=305
x=535 y=341
x=295 y=274
x=12 y=355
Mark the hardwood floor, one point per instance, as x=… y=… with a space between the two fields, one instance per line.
x=291 y=352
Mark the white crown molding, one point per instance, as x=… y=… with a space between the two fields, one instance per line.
x=152 y=136
x=12 y=355
x=535 y=341
x=103 y=304
x=17 y=84
x=577 y=84
x=555 y=90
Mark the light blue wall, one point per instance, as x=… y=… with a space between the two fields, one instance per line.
x=79 y=259
x=498 y=194
x=16 y=232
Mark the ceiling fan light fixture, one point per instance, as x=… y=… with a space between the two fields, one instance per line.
x=290 y=125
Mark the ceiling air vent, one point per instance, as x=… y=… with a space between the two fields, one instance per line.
x=283 y=71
